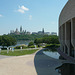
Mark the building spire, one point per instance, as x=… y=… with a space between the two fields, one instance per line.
x=43 y=30
x=21 y=29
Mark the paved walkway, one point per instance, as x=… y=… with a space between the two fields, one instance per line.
x=2 y=56
x=20 y=65
x=34 y=64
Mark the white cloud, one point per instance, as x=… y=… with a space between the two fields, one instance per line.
x=30 y=17
x=22 y=9
x=0 y=15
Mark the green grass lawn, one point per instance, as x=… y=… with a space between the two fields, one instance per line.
x=18 y=52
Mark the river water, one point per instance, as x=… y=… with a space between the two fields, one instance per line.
x=23 y=42
x=19 y=43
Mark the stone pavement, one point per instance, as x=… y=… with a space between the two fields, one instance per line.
x=2 y=56
x=33 y=64
x=20 y=65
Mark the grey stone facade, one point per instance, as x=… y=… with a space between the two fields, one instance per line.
x=67 y=28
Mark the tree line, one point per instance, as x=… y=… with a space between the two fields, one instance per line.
x=47 y=39
x=26 y=37
x=6 y=40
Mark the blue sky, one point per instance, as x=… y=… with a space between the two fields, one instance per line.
x=32 y=15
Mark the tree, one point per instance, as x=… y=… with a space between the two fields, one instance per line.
x=0 y=40
x=47 y=39
x=30 y=44
x=6 y=40
x=26 y=37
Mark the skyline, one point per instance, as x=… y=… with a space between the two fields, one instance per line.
x=32 y=15
x=21 y=29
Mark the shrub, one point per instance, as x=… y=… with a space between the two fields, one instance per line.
x=4 y=48
x=30 y=44
x=53 y=45
x=23 y=46
x=17 y=47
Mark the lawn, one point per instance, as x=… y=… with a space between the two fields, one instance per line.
x=18 y=52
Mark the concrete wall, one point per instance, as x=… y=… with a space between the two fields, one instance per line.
x=68 y=12
x=67 y=28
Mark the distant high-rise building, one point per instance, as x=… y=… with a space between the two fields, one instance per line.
x=21 y=29
x=53 y=33
x=43 y=30
x=39 y=32
x=25 y=31
x=16 y=30
x=34 y=32
x=47 y=33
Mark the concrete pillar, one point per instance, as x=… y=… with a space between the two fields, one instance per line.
x=64 y=36
x=60 y=35
x=62 y=43
x=73 y=34
x=67 y=36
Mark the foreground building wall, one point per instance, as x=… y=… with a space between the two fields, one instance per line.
x=67 y=28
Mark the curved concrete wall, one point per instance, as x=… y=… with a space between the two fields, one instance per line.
x=68 y=12
x=67 y=28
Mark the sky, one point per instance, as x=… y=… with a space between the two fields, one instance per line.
x=32 y=15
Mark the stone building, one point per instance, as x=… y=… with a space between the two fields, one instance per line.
x=67 y=29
